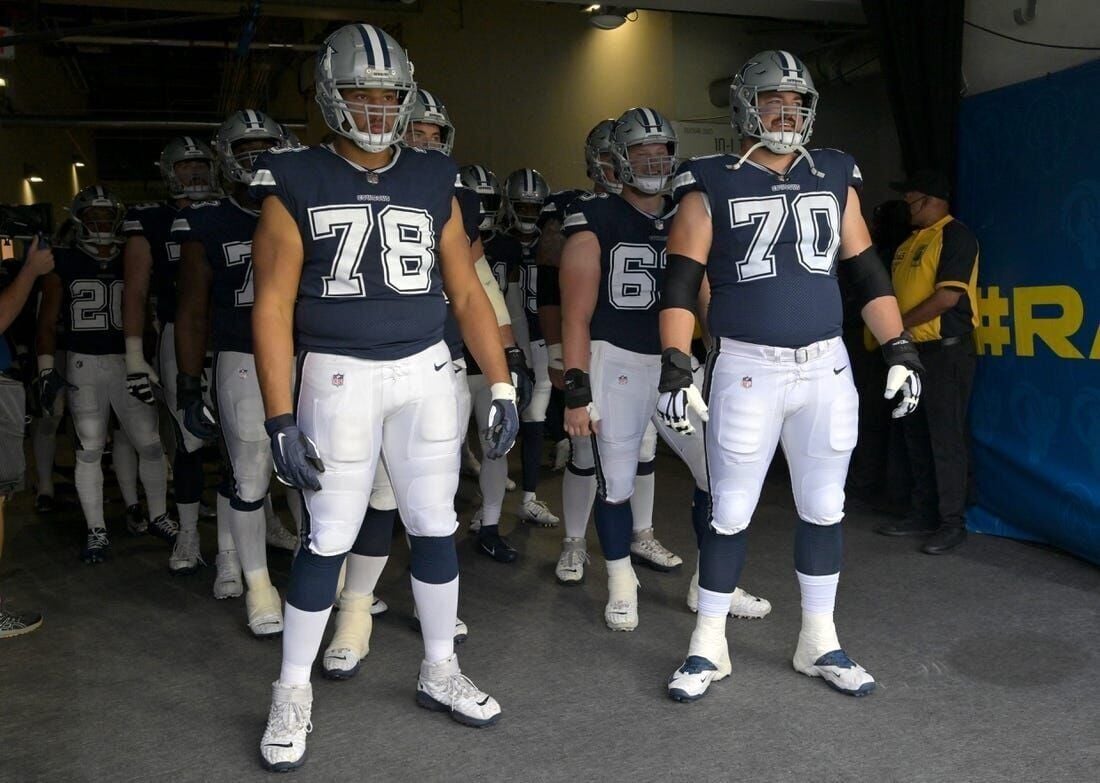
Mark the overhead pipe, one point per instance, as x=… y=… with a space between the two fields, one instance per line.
x=110 y=40
x=59 y=121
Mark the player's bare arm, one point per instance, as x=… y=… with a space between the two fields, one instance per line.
x=137 y=267
x=689 y=237
x=580 y=275
x=192 y=310
x=933 y=307
x=277 y=268
x=468 y=300
x=48 y=310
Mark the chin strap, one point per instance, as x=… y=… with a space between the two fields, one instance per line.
x=802 y=153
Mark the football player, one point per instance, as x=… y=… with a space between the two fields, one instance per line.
x=151 y=261
x=766 y=229
x=345 y=258
x=611 y=271
x=86 y=289
x=525 y=193
x=216 y=294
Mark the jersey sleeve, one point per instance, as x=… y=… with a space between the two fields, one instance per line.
x=957 y=257
x=132 y=225
x=273 y=177
x=855 y=176
x=689 y=179
x=183 y=229
x=583 y=216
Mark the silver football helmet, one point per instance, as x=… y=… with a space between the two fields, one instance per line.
x=597 y=157
x=773 y=70
x=643 y=125
x=97 y=216
x=430 y=110
x=483 y=182
x=197 y=182
x=525 y=191
x=365 y=57
x=241 y=126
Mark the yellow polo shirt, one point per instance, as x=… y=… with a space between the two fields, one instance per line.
x=943 y=255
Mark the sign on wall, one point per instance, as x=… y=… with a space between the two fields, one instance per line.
x=6 y=52
x=1029 y=186
x=706 y=138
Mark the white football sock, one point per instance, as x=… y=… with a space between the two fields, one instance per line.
x=714 y=604
x=437 y=608
x=225 y=529
x=154 y=479
x=818 y=592
x=88 y=477
x=125 y=462
x=302 y=633
x=363 y=573
x=641 y=502
x=249 y=532
x=578 y=493
x=528 y=496
x=189 y=515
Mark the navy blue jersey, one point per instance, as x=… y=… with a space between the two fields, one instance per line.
x=370 y=285
x=632 y=269
x=469 y=205
x=225 y=230
x=557 y=204
x=772 y=263
x=91 y=301
x=154 y=222
x=529 y=285
x=504 y=253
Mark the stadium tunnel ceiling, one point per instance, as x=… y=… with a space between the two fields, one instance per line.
x=146 y=68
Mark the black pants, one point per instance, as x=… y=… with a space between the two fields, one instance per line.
x=936 y=435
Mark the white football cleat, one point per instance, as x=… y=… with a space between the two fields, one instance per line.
x=462 y=631
x=621 y=612
x=647 y=550
x=696 y=673
x=538 y=513
x=442 y=687
x=265 y=612
x=351 y=642
x=509 y=485
x=227 y=582
x=839 y=671
x=185 y=557
x=561 y=454
x=476 y=519
x=574 y=556
x=283 y=746
x=744 y=605
x=379 y=607
x=278 y=536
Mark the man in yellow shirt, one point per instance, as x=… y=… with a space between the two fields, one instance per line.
x=935 y=273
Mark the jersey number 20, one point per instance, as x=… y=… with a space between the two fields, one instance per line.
x=408 y=247
x=96 y=305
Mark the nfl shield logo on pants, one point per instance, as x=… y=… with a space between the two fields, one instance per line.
x=337 y=379
x=747 y=381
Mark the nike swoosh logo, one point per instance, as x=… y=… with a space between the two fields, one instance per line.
x=439 y=367
x=842 y=369
x=280 y=745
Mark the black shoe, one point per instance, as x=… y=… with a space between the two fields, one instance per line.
x=944 y=540
x=13 y=623
x=44 y=504
x=136 y=524
x=492 y=544
x=907 y=527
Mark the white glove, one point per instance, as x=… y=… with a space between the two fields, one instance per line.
x=902 y=379
x=139 y=375
x=673 y=407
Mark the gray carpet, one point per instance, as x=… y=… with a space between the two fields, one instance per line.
x=983 y=660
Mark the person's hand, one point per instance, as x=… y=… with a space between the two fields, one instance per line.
x=297 y=462
x=47 y=386
x=39 y=259
x=523 y=379
x=903 y=376
x=140 y=377
x=582 y=422
x=679 y=394
x=503 y=422
x=198 y=419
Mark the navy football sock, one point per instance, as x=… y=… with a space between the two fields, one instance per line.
x=531 y=432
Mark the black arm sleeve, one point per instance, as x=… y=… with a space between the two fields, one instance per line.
x=868 y=277
x=548 y=293
x=683 y=276
x=957 y=257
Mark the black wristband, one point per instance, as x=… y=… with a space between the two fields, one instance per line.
x=901 y=351
x=513 y=355
x=578 y=390
x=675 y=370
x=280 y=422
x=188 y=389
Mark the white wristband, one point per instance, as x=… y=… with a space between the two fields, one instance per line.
x=45 y=362
x=555 y=355
x=503 y=391
x=135 y=355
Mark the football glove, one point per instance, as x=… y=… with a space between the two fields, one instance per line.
x=47 y=386
x=297 y=462
x=198 y=419
x=523 y=379
x=503 y=423
x=140 y=377
x=903 y=375
x=678 y=393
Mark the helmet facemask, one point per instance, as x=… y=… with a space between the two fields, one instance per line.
x=98 y=226
x=392 y=117
x=756 y=119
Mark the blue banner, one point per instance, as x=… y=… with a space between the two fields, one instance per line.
x=1029 y=187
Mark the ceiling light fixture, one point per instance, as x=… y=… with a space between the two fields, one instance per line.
x=3 y=82
x=609 y=17
x=79 y=162
x=30 y=173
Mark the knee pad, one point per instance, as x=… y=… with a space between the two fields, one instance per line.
x=313 y=580
x=381 y=495
x=433 y=559
x=581 y=460
x=89 y=456
x=151 y=451
x=252 y=471
x=731 y=512
x=332 y=520
x=818 y=549
x=821 y=502
x=376 y=533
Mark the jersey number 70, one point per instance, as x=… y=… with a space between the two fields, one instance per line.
x=814 y=214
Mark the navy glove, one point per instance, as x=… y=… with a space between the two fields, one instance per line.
x=503 y=421
x=47 y=386
x=297 y=463
x=523 y=378
x=198 y=419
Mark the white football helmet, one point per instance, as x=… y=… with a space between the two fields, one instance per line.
x=365 y=57
x=245 y=125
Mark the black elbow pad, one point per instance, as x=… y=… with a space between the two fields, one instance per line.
x=683 y=276
x=868 y=276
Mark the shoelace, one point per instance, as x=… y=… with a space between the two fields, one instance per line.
x=460 y=686
x=655 y=547
x=288 y=717
x=576 y=558
x=166 y=524
x=540 y=508
x=97 y=539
